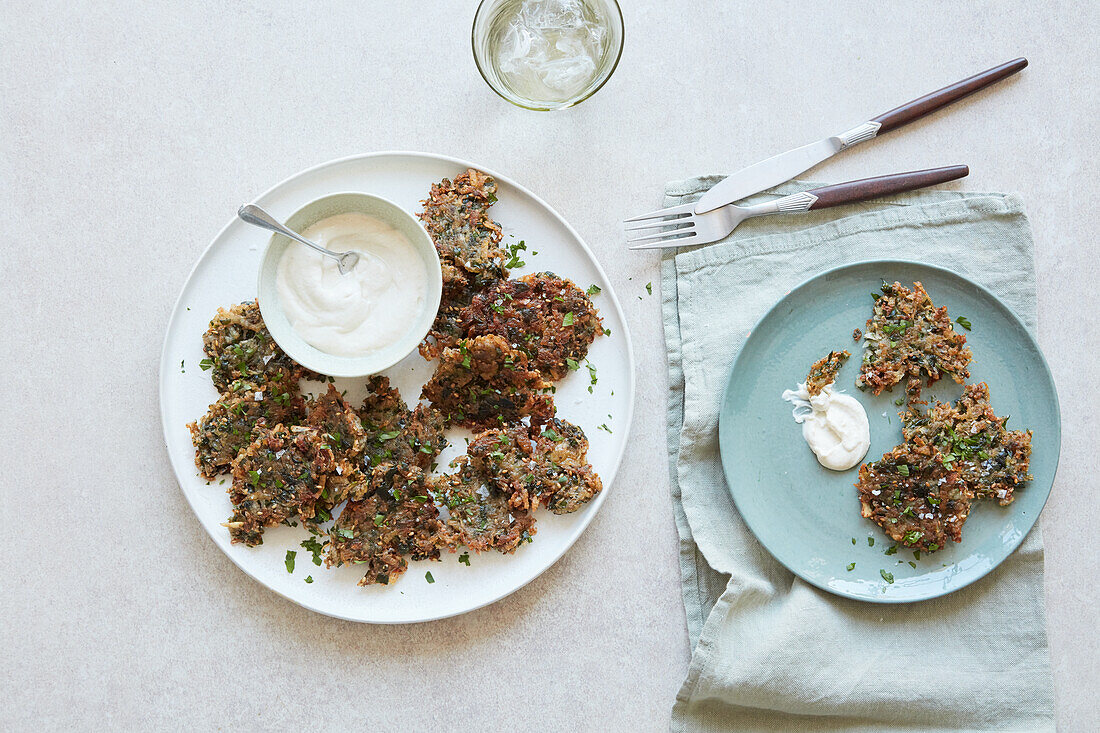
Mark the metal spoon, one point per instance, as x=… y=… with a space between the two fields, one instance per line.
x=253 y=214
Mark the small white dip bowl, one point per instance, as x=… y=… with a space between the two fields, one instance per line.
x=275 y=317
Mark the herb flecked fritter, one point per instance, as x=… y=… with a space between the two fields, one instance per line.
x=396 y=435
x=530 y=467
x=971 y=440
x=480 y=517
x=909 y=337
x=239 y=349
x=916 y=501
x=395 y=517
x=281 y=474
x=824 y=371
x=468 y=242
x=545 y=316
x=226 y=428
x=484 y=382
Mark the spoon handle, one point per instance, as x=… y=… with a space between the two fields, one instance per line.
x=258 y=217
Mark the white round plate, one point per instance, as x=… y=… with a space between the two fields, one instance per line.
x=226 y=274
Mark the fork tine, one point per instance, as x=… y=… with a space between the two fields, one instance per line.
x=666 y=243
x=673 y=236
x=658 y=223
x=661 y=213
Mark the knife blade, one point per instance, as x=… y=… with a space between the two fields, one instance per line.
x=767 y=173
x=785 y=166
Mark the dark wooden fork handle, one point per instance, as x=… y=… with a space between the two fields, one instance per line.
x=929 y=103
x=871 y=188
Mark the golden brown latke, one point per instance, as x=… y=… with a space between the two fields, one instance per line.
x=483 y=382
x=239 y=349
x=970 y=439
x=529 y=466
x=824 y=371
x=395 y=435
x=545 y=316
x=281 y=474
x=396 y=517
x=915 y=500
x=342 y=430
x=907 y=337
x=480 y=517
x=226 y=428
x=468 y=241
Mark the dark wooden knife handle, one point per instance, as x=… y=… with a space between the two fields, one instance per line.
x=871 y=188
x=929 y=103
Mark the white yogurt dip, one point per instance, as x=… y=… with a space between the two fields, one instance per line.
x=364 y=311
x=834 y=425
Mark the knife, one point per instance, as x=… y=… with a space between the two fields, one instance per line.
x=785 y=166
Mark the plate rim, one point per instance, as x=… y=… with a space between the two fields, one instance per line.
x=582 y=524
x=724 y=428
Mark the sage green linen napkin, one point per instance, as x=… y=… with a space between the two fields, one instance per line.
x=773 y=653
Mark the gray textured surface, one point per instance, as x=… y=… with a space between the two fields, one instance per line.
x=128 y=135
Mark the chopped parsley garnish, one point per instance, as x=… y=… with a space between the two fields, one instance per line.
x=206 y=364
x=389 y=436
x=888 y=577
x=464 y=558
x=573 y=364
x=428 y=577
x=182 y=370
x=853 y=540
x=592 y=375
x=903 y=470
x=870 y=541
x=315 y=548
x=851 y=566
x=290 y=555
x=593 y=290
x=649 y=288
x=891 y=550
x=603 y=426
x=379 y=520
x=309 y=578
x=964 y=322
x=513 y=255
x=567 y=320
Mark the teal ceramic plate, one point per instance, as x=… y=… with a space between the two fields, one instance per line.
x=808 y=516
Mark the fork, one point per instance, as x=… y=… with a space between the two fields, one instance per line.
x=680 y=226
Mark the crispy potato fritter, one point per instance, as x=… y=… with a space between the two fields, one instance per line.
x=545 y=316
x=395 y=517
x=484 y=382
x=239 y=349
x=908 y=337
x=969 y=438
x=915 y=500
x=281 y=474
x=226 y=428
x=468 y=242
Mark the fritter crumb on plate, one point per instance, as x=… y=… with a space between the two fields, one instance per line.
x=239 y=349
x=468 y=242
x=484 y=382
x=281 y=474
x=824 y=371
x=917 y=502
x=480 y=517
x=909 y=337
x=529 y=466
x=545 y=316
x=395 y=517
x=226 y=428
x=971 y=440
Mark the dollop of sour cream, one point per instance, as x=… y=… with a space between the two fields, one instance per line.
x=364 y=311
x=834 y=425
